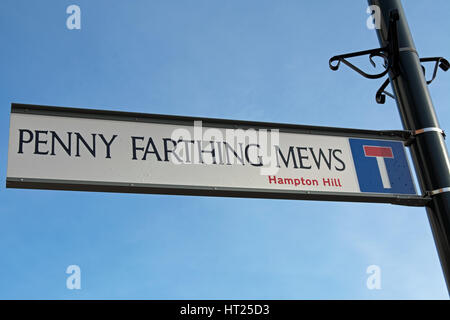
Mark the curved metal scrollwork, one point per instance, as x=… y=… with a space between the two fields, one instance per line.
x=440 y=62
x=382 y=53
x=390 y=55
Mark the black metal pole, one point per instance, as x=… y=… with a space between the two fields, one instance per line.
x=416 y=109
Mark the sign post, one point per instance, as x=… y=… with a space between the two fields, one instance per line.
x=428 y=149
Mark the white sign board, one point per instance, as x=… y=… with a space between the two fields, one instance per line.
x=61 y=148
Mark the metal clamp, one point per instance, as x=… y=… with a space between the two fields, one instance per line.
x=417 y=132
x=408 y=49
x=430 y=129
x=438 y=191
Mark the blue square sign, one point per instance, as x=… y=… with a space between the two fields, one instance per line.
x=382 y=166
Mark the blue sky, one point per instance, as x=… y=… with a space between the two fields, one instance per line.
x=250 y=60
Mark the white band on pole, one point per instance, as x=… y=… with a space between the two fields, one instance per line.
x=430 y=129
x=439 y=191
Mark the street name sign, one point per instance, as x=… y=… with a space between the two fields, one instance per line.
x=96 y=150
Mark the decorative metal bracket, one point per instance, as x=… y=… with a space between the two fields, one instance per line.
x=380 y=52
x=440 y=62
x=381 y=94
x=390 y=54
